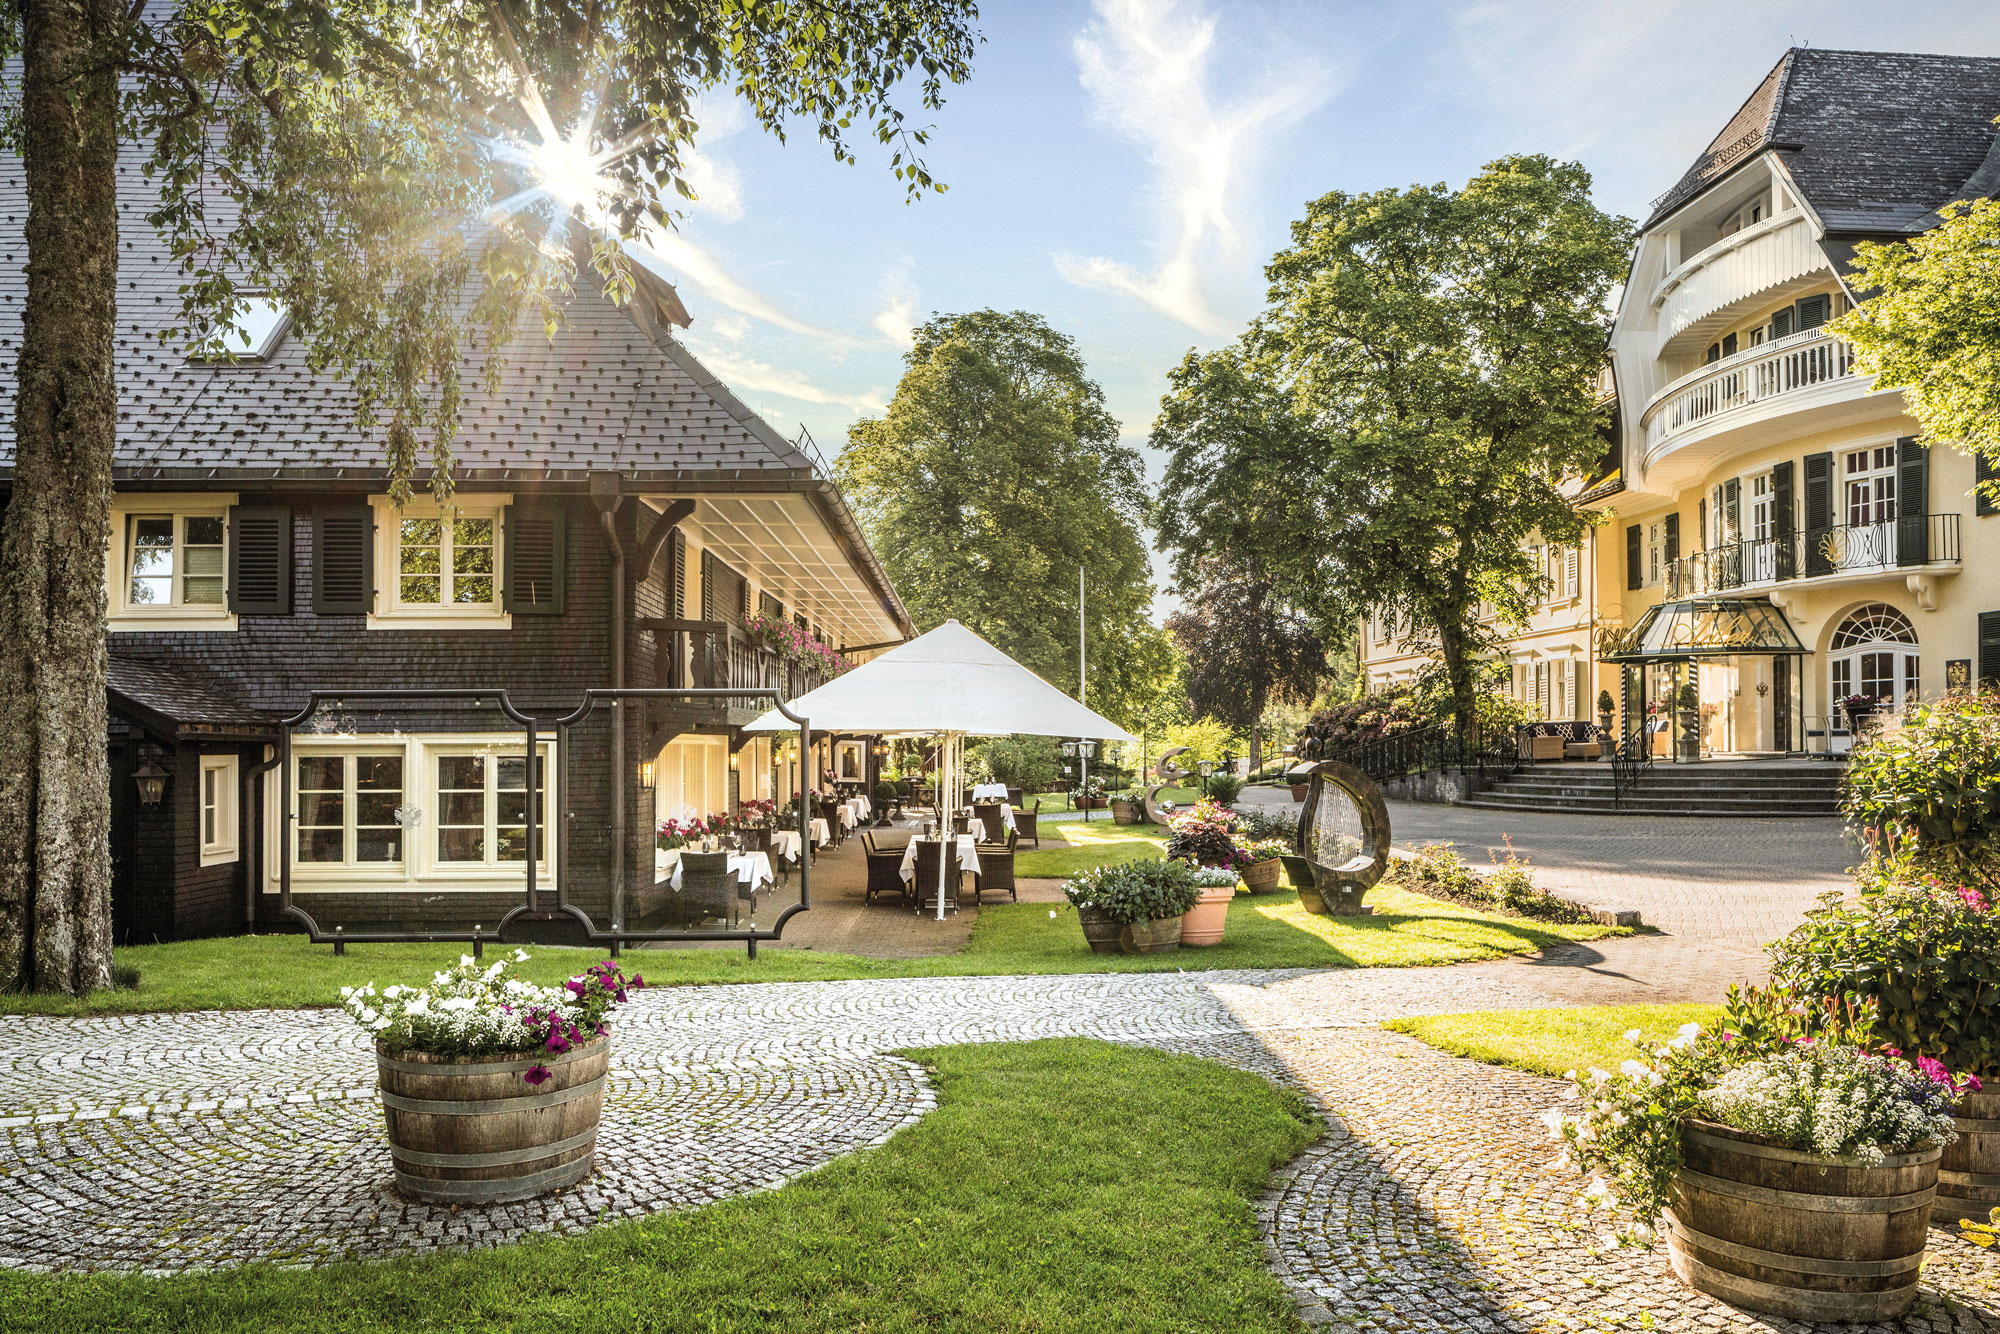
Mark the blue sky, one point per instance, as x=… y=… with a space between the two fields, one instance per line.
x=1125 y=167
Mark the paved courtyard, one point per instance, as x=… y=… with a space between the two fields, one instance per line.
x=169 y=1142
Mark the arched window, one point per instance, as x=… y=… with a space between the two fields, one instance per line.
x=1874 y=653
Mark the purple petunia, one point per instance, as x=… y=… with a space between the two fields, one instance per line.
x=537 y=1075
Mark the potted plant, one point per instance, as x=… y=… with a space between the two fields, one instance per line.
x=491 y=1085
x=1859 y=709
x=1205 y=835
x=1133 y=907
x=1792 y=1165
x=1607 y=741
x=1687 y=702
x=1260 y=876
x=1089 y=795
x=1203 y=924
x=885 y=801
x=1300 y=787
x=1125 y=808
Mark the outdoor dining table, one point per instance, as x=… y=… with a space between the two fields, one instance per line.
x=822 y=832
x=845 y=812
x=989 y=792
x=749 y=868
x=785 y=844
x=968 y=857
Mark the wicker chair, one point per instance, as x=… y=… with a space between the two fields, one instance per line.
x=924 y=888
x=885 y=870
x=1025 y=823
x=755 y=840
x=1014 y=796
x=707 y=886
x=996 y=869
x=829 y=811
x=994 y=829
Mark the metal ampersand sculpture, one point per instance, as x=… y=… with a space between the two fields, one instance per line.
x=1167 y=775
x=1343 y=839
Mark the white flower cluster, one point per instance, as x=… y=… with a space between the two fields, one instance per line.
x=1834 y=1101
x=465 y=1010
x=1214 y=877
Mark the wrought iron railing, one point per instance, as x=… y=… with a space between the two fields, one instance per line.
x=1917 y=539
x=1630 y=762
x=1491 y=752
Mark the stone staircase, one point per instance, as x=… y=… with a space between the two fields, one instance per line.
x=1726 y=790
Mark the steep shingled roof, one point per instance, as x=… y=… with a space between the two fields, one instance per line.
x=1875 y=140
x=612 y=391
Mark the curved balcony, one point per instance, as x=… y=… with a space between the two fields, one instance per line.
x=1800 y=373
x=1917 y=544
x=1712 y=288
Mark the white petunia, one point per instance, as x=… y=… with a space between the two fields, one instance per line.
x=1689 y=1031
x=1631 y=1035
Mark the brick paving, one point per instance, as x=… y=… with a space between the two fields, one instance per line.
x=173 y=1142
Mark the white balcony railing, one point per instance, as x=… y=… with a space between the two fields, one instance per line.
x=1789 y=365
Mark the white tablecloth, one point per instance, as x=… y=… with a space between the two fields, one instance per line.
x=845 y=813
x=749 y=868
x=785 y=844
x=968 y=857
x=989 y=792
x=1006 y=817
x=822 y=834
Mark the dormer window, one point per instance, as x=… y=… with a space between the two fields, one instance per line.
x=253 y=335
x=1748 y=216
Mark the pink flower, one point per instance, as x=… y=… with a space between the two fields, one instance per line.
x=536 y=1075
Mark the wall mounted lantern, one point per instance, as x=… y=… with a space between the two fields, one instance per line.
x=152 y=780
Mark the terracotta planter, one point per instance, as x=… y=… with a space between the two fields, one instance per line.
x=1262 y=877
x=1794 y=1234
x=1300 y=791
x=1969 y=1171
x=471 y=1130
x=1107 y=935
x=1203 y=923
x=1090 y=803
x=1125 y=812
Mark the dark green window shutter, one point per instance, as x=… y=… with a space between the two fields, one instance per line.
x=1819 y=511
x=1989 y=648
x=343 y=561
x=1729 y=345
x=707 y=585
x=1701 y=524
x=1635 y=571
x=1814 y=311
x=1673 y=538
x=1913 y=502
x=537 y=560
x=1984 y=473
x=677 y=571
x=1782 y=529
x=742 y=603
x=260 y=559
x=1781 y=323
x=770 y=607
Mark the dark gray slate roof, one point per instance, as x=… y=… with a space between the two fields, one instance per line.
x=612 y=391
x=1876 y=140
x=169 y=701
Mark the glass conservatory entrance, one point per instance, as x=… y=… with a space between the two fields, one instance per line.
x=1709 y=677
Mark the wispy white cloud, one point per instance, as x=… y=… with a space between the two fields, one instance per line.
x=747 y=375
x=896 y=319
x=716 y=183
x=676 y=257
x=1151 y=70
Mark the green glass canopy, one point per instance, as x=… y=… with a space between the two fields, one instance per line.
x=1704 y=628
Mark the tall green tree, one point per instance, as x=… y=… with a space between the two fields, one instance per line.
x=994 y=477
x=1246 y=649
x=411 y=182
x=1404 y=413
x=1930 y=325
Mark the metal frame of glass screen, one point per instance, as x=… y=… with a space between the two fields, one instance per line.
x=532 y=730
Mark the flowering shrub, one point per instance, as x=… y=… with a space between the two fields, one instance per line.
x=1931 y=788
x=682 y=833
x=1835 y=1101
x=1136 y=891
x=1265 y=849
x=473 y=1011
x=756 y=813
x=1927 y=953
x=1205 y=836
x=799 y=647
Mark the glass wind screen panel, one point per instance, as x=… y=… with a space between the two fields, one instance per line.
x=151 y=541
x=322 y=788
x=511 y=808
x=378 y=791
x=202 y=560
x=420 y=561
x=1337 y=828
x=461 y=808
x=472 y=561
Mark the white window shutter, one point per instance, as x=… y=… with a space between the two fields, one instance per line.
x=1570 y=572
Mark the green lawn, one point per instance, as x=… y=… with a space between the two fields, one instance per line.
x=1097 y=842
x=1550 y=1042
x=1264 y=931
x=1060 y=1185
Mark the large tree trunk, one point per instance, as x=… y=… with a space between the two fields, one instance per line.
x=55 y=799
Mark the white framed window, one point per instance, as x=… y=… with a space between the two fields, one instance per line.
x=219 y=822
x=439 y=568
x=168 y=560
x=1870 y=490
x=436 y=811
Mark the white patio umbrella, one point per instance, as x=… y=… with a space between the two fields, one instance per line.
x=950 y=684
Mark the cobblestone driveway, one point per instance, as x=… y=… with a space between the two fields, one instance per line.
x=168 y=1142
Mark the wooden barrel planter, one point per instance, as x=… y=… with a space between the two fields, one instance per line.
x=1125 y=812
x=1969 y=1171
x=1262 y=877
x=1108 y=935
x=471 y=1130
x=1771 y=1229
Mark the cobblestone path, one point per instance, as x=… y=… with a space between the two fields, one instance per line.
x=166 y=1142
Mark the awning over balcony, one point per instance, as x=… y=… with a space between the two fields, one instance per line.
x=1705 y=628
